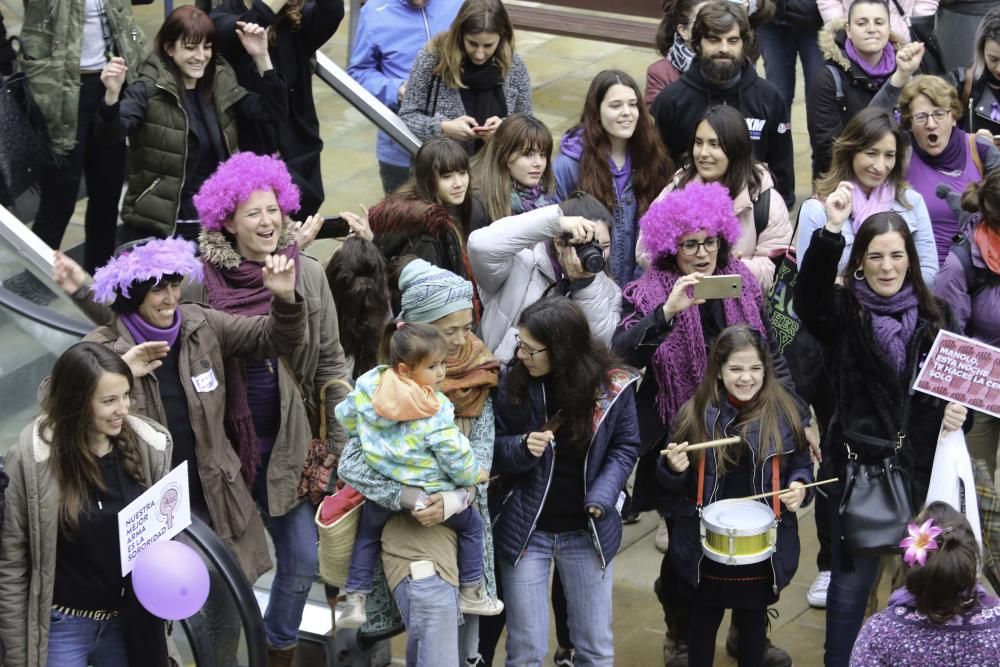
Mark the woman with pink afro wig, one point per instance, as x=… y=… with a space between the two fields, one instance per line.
x=689 y=234
x=244 y=209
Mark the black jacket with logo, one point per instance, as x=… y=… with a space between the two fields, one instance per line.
x=679 y=107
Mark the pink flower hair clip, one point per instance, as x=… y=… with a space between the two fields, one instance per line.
x=921 y=540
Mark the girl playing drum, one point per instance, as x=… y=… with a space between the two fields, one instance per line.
x=740 y=396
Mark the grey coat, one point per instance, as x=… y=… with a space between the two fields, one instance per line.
x=31 y=532
x=428 y=101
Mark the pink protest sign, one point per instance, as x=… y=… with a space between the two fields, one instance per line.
x=962 y=370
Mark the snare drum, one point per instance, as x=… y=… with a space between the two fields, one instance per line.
x=738 y=532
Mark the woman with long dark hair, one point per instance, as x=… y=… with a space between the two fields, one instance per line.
x=673 y=43
x=181 y=117
x=513 y=174
x=875 y=329
x=468 y=79
x=566 y=441
x=615 y=154
x=80 y=462
x=721 y=152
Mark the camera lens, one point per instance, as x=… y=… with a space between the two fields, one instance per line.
x=591 y=257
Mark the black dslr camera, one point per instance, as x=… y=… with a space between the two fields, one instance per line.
x=590 y=254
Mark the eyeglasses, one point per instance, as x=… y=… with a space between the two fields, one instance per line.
x=938 y=115
x=527 y=350
x=711 y=244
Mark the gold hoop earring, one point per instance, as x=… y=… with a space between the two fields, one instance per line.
x=859 y=274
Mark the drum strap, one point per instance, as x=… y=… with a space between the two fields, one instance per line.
x=775 y=483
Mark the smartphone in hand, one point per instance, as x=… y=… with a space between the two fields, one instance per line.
x=334 y=227
x=719 y=287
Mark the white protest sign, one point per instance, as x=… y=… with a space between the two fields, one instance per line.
x=158 y=514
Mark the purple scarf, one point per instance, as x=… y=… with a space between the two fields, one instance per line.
x=241 y=291
x=882 y=70
x=952 y=158
x=894 y=319
x=143 y=332
x=679 y=362
x=524 y=199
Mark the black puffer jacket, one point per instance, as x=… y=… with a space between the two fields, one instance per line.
x=868 y=393
x=825 y=115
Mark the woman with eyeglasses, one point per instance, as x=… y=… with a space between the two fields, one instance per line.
x=666 y=330
x=943 y=153
x=566 y=441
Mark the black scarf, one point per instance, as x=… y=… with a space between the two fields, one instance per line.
x=482 y=95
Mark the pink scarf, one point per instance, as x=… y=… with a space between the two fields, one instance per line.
x=864 y=206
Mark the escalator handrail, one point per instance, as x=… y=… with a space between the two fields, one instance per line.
x=223 y=560
x=43 y=315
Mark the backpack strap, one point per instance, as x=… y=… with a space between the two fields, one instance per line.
x=963 y=251
x=974 y=149
x=762 y=212
x=838 y=82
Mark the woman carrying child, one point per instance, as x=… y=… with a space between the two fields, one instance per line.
x=407 y=431
x=740 y=396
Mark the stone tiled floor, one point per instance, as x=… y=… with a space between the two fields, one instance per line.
x=561 y=69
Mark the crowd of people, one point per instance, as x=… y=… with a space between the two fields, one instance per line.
x=524 y=345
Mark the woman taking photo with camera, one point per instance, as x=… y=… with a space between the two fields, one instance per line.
x=521 y=258
x=63 y=600
x=565 y=423
x=876 y=329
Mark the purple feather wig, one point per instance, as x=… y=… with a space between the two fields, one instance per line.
x=150 y=261
x=239 y=177
x=698 y=207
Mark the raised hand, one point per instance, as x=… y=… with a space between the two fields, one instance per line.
x=580 y=229
x=113 y=78
x=66 y=273
x=907 y=61
x=254 y=40
x=838 y=207
x=677 y=457
x=279 y=277
x=359 y=224
x=144 y=358
x=570 y=261
x=679 y=299
x=305 y=232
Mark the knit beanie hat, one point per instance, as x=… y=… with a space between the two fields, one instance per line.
x=430 y=292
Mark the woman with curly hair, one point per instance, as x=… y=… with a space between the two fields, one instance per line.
x=272 y=404
x=615 y=154
x=297 y=29
x=79 y=463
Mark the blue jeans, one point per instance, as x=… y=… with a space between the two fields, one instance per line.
x=779 y=46
x=294 y=536
x=468 y=527
x=588 y=599
x=429 y=608
x=847 y=597
x=74 y=639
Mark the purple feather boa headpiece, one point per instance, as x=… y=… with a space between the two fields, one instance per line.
x=698 y=207
x=150 y=261
x=239 y=177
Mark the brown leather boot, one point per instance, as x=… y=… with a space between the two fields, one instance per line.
x=280 y=657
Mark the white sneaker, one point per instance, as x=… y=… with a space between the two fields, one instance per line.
x=663 y=537
x=473 y=600
x=816 y=597
x=353 y=614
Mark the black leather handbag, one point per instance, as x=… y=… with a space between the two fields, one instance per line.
x=876 y=504
x=24 y=143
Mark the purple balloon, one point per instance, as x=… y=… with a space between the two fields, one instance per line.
x=170 y=580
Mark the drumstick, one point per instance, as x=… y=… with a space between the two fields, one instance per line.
x=804 y=486
x=732 y=440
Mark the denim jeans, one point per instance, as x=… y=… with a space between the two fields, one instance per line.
x=429 y=608
x=74 y=639
x=847 y=597
x=779 y=46
x=468 y=527
x=297 y=567
x=588 y=599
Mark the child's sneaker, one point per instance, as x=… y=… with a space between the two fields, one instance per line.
x=353 y=614
x=473 y=600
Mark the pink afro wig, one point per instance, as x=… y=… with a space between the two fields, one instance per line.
x=236 y=179
x=698 y=207
x=152 y=260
